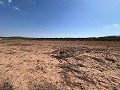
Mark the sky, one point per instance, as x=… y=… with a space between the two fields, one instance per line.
x=59 y=18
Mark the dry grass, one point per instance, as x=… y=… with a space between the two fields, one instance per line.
x=6 y=85
x=41 y=86
x=74 y=68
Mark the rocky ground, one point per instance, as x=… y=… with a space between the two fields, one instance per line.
x=59 y=65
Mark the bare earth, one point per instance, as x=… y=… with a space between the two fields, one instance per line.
x=59 y=65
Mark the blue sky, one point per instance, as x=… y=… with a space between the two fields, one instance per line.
x=59 y=18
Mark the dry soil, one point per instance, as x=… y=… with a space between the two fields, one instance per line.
x=59 y=65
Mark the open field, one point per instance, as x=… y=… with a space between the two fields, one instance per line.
x=59 y=65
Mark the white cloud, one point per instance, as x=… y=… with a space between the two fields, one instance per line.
x=1 y=3
x=10 y=1
x=116 y=25
x=16 y=8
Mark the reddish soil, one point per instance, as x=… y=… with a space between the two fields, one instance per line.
x=59 y=65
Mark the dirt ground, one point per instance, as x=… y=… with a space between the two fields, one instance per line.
x=59 y=65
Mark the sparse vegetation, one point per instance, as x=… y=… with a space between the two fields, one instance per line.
x=106 y=38
x=73 y=67
x=41 y=86
x=59 y=65
x=6 y=85
x=64 y=53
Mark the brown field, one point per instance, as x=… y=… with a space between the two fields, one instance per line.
x=59 y=65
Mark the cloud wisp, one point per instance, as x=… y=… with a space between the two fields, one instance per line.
x=1 y=3
x=32 y=1
x=116 y=25
x=16 y=8
x=9 y=1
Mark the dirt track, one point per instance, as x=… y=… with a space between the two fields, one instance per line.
x=59 y=65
